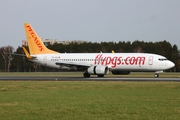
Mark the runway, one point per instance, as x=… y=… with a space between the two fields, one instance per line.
x=67 y=78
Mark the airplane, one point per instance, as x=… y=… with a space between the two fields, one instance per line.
x=99 y=64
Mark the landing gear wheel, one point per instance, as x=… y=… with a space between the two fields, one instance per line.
x=100 y=75
x=156 y=75
x=86 y=75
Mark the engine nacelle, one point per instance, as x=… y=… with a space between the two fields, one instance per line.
x=98 y=70
x=120 y=72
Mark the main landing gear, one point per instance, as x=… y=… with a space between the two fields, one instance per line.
x=100 y=75
x=86 y=75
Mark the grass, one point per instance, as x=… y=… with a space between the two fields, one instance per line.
x=54 y=100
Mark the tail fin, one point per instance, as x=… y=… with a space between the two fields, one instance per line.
x=35 y=45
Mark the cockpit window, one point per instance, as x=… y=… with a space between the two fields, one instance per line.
x=162 y=59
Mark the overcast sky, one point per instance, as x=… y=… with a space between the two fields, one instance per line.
x=91 y=20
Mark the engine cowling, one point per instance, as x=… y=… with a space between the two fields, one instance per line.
x=98 y=70
x=120 y=72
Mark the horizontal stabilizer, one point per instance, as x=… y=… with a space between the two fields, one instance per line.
x=26 y=52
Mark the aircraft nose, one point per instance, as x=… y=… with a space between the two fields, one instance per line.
x=171 y=64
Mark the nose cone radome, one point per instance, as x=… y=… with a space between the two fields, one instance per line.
x=171 y=64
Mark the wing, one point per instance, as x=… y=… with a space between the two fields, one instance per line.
x=73 y=65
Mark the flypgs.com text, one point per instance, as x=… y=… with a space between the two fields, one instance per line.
x=118 y=60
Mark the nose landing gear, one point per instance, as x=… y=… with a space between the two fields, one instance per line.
x=156 y=75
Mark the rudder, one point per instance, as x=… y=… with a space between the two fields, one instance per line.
x=35 y=44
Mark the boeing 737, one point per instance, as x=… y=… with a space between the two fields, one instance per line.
x=98 y=64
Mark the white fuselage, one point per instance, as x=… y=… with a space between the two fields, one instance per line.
x=114 y=61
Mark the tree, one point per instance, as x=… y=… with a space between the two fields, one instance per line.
x=6 y=53
x=175 y=56
x=137 y=46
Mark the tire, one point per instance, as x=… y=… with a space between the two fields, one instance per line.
x=86 y=75
x=156 y=75
x=100 y=75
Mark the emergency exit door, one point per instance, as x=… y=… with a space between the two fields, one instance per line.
x=151 y=60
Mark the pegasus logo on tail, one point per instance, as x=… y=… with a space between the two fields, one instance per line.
x=33 y=35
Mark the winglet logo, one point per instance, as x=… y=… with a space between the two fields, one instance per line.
x=36 y=41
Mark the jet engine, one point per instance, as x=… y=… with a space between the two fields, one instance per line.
x=98 y=70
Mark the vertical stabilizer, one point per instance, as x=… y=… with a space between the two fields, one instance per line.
x=35 y=44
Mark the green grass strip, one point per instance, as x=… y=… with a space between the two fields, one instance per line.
x=55 y=100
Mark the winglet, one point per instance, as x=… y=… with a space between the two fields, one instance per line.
x=26 y=52
x=35 y=44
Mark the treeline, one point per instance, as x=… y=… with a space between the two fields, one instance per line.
x=18 y=63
